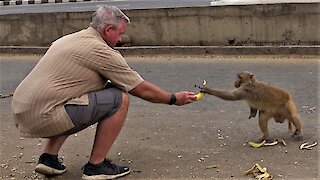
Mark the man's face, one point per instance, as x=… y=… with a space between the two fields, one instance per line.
x=113 y=36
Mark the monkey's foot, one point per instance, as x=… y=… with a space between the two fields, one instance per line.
x=264 y=138
x=297 y=135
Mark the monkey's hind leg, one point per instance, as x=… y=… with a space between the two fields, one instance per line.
x=298 y=134
x=263 y=123
x=293 y=117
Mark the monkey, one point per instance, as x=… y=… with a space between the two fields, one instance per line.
x=270 y=101
x=278 y=117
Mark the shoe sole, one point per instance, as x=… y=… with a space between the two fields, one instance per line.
x=46 y=170
x=103 y=176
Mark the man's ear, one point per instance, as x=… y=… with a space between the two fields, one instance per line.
x=106 y=30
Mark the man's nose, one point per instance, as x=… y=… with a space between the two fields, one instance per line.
x=120 y=39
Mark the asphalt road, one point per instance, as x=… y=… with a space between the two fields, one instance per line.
x=204 y=140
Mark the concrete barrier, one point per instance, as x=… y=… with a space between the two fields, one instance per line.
x=25 y=2
x=247 y=25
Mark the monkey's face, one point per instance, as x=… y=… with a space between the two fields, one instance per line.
x=243 y=78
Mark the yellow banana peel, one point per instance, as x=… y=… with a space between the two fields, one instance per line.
x=263 y=170
x=257 y=145
x=264 y=143
x=200 y=95
x=258 y=172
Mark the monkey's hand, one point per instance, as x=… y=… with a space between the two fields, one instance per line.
x=201 y=94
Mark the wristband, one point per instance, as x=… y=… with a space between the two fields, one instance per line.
x=173 y=99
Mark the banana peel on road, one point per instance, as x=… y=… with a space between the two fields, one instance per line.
x=259 y=173
x=257 y=145
x=264 y=143
x=307 y=146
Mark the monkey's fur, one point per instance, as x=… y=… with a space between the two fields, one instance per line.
x=270 y=101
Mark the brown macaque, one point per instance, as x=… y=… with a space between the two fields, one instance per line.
x=268 y=100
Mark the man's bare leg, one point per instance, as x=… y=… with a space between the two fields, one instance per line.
x=54 y=144
x=107 y=132
x=48 y=163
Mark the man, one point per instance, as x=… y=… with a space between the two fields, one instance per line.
x=80 y=81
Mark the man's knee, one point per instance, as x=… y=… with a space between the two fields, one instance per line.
x=125 y=99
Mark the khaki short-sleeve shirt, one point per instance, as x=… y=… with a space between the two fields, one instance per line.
x=73 y=66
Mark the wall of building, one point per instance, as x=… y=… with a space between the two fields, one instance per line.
x=272 y=24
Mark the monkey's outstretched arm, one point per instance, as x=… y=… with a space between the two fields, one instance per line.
x=236 y=94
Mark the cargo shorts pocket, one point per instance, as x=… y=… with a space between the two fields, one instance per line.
x=79 y=114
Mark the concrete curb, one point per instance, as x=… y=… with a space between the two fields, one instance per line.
x=188 y=50
x=25 y=2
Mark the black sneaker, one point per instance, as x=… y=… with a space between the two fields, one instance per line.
x=104 y=170
x=50 y=165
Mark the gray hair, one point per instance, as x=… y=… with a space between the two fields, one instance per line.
x=107 y=15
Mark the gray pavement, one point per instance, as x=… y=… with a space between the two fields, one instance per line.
x=187 y=50
x=204 y=140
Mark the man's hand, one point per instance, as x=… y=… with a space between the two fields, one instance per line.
x=153 y=93
x=184 y=97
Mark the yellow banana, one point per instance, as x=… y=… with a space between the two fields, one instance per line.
x=200 y=95
x=256 y=145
